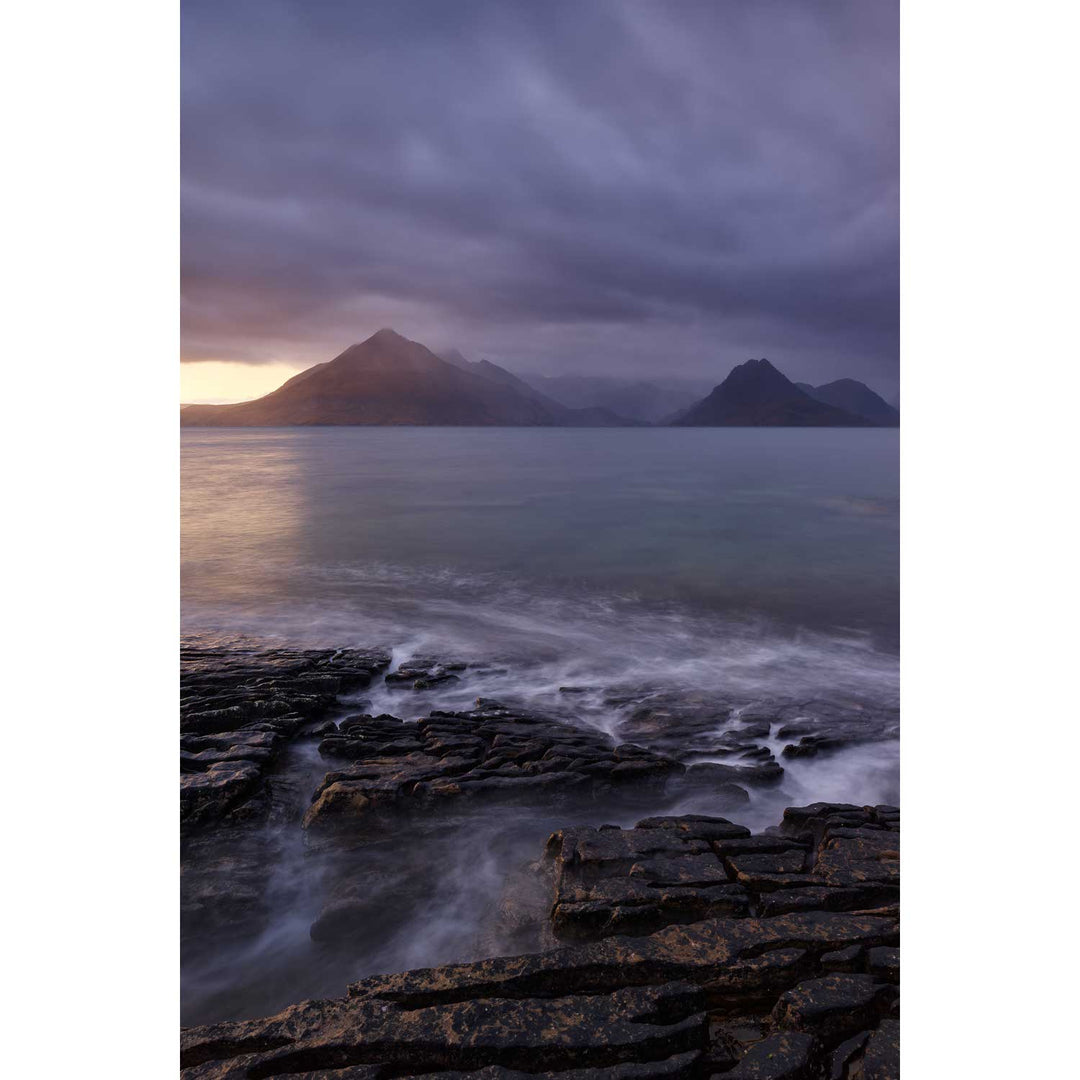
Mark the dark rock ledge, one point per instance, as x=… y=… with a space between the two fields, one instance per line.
x=242 y=705
x=238 y=709
x=799 y=982
x=492 y=753
x=684 y=947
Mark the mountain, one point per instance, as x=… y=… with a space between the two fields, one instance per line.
x=586 y=415
x=652 y=401
x=493 y=373
x=855 y=397
x=755 y=394
x=388 y=379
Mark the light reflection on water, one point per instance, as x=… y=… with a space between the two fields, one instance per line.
x=401 y=530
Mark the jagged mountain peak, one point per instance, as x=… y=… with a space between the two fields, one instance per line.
x=757 y=394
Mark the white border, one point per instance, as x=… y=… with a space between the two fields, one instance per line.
x=989 y=536
x=989 y=393
x=91 y=246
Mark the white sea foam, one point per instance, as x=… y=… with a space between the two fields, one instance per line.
x=535 y=641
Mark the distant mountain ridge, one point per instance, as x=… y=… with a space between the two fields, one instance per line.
x=756 y=394
x=566 y=415
x=650 y=400
x=390 y=380
x=855 y=397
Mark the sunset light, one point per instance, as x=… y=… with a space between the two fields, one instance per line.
x=221 y=381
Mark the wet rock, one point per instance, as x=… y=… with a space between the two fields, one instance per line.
x=853 y=858
x=809 y=897
x=812 y=745
x=884 y=963
x=841 y=1058
x=654 y=986
x=814 y=821
x=792 y=861
x=429 y=682
x=680 y=1067
x=490 y=754
x=683 y=947
x=628 y=1026
x=240 y=705
x=700 y=827
x=881 y=1059
x=783 y=1056
x=843 y=960
x=425 y=674
x=206 y=796
x=761 y=844
x=362 y=737
x=670 y=722
x=721 y=780
x=833 y=1007
x=607 y=1003
x=633 y=881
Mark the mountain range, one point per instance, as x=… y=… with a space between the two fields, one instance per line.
x=390 y=380
x=650 y=400
x=590 y=414
x=756 y=394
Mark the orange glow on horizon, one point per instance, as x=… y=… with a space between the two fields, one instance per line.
x=216 y=382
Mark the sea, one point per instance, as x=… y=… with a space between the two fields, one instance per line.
x=758 y=565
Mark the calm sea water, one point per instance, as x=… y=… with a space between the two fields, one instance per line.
x=472 y=538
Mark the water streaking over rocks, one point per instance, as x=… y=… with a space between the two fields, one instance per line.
x=348 y=812
x=550 y=640
x=672 y=944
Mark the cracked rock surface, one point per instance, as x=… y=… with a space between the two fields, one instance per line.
x=751 y=995
x=682 y=945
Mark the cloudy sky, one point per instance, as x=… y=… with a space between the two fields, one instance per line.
x=598 y=186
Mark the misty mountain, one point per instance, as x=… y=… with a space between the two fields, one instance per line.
x=855 y=397
x=388 y=379
x=493 y=373
x=653 y=400
x=755 y=394
x=567 y=416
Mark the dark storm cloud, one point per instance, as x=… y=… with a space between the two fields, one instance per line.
x=580 y=185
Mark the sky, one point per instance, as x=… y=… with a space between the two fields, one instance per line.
x=626 y=187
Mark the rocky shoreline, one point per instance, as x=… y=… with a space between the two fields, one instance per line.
x=682 y=945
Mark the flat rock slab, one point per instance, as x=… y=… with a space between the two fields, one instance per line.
x=606 y=881
x=591 y=1031
x=492 y=753
x=742 y=996
x=633 y=881
x=834 y=1007
x=679 y=1067
x=240 y=705
x=615 y=1002
x=784 y=1056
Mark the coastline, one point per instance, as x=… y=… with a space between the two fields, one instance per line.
x=625 y=902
